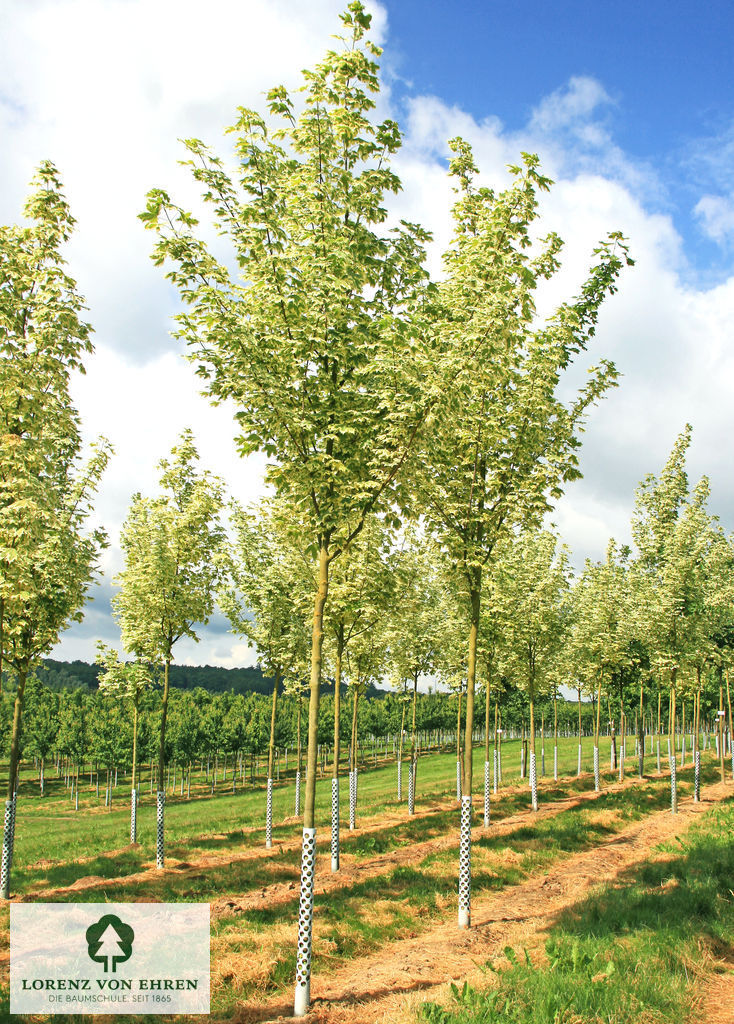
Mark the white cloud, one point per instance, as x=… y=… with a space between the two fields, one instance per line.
x=571 y=106
x=238 y=656
x=716 y=217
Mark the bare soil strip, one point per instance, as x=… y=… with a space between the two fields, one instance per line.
x=717 y=1006
x=352 y=868
x=389 y=985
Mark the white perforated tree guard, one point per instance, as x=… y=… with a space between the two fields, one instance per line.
x=555 y=764
x=305 y=925
x=495 y=771
x=596 y=769
x=465 y=864
x=458 y=781
x=486 y=794
x=7 y=843
x=697 y=776
x=269 y=815
x=12 y=824
x=160 y=815
x=658 y=752
x=400 y=780
x=298 y=794
x=352 y=800
x=673 y=786
x=335 y=824
x=412 y=768
x=133 y=816
x=533 y=781
x=578 y=765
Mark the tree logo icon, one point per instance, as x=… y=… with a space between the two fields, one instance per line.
x=110 y=941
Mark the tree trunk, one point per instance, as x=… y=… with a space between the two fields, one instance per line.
x=533 y=766
x=412 y=771
x=466 y=786
x=353 y=761
x=305 y=916
x=721 y=725
x=696 y=751
x=641 y=733
x=9 y=823
x=400 y=753
x=486 y=750
x=597 y=781
x=671 y=728
x=337 y=741
x=458 y=747
x=731 y=734
x=271 y=761
x=161 y=794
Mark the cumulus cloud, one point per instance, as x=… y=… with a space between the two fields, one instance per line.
x=716 y=217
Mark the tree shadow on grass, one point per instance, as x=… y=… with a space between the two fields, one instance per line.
x=689 y=892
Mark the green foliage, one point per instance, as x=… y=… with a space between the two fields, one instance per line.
x=47 y=561
x=317 y=341
x=169 y=542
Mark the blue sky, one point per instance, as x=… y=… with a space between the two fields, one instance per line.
x=629 y=105
x=668 y=70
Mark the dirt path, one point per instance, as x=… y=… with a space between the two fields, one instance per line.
x=717 y=1006
x=352 y=868
x=390 y=985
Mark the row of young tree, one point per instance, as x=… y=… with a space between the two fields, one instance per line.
x=383 y=399
x=103 y=732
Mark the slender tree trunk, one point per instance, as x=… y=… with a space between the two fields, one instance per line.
x=305 y=916
x=413 y=769
x=161 y=795
x=731 y=734
x=271 y=762
x=486 y=749
x=533 y=765
x=671 y=727
x=597 y=781
x=641 y=733
x=337 y=741
x=353 y=753
x=497 y=738
x=9 y=823
x=696 y=751
x=721 y=724
x=133 y=787
x=458 y=748
x=466 y=787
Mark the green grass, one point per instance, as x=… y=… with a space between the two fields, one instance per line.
x=350 y=921
x=634 y=951
x=50 y=831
